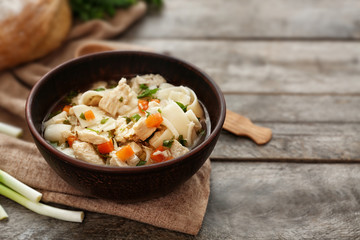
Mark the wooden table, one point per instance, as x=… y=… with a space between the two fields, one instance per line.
x=290 y=65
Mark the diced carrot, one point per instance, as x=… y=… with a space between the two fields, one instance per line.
x=71 y=140
x=89 y=115
x=125 y=153
x=154 y=120
x=159 y=154
x=66 y=108
x=106 y=147
x=143 y=105
x=155 y=100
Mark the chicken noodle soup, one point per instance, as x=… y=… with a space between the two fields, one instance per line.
x=134 y=122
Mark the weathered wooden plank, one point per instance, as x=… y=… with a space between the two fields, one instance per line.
x=311 y=142
x=305 y=128
x=247 y=201
x=296 y=108
x=284 y=201
x=253 y=19
x=271 y=67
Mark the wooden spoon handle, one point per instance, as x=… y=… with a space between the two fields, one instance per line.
x=242 y=126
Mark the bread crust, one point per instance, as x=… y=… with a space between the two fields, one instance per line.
x=40 y=28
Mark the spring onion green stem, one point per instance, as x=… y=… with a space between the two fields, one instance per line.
x=3 y=214
x=66 y=215
x=10 y=130
x=19 y=187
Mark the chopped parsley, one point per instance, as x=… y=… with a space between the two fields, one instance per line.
x=136 y=117
x=54 y=143
x=53 y=114
x=99 y=89
x=82 y=116
x=66 y=122
x=147 y=92
x=141 y=162
x=182 y=106
x=68 y=98
x=168 y=143
x=159 y=110
x=143 y=86
x=111 y=134
x=92 y=130
x=201 y=132
x=128 y=120
x=121 y=99
x=111 y=86
x=104 y=120
x=95 y=9
x=182 y=140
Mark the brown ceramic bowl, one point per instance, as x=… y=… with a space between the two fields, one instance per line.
x=131 y=183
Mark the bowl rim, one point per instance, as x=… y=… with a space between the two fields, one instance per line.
x=131 y=169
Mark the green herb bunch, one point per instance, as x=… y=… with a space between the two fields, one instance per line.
x=97 y=9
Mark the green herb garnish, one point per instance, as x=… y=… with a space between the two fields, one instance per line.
x=141 y=162
x=95 y=9
x=92 y=130
x=128 y=120
x=66 y=122
x=121 y=99
x=168 y=143
x=111 y=134
x=54 y=143
x=143 y=86
x=53 y=114
x=82 y=116
x=111 y=86
x=182 y=140
x=136 y=117
x=201 y=132
x=68 y=98
x=147 y=93
x=104 y=120
x=159 y=110
x=99 y=89
x=182 y=106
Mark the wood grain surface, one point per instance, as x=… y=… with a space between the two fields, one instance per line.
x=292 y=66
x=256 y=19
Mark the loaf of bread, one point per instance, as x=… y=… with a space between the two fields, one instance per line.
x=30 y=29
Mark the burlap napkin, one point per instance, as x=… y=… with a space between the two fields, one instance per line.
x=182 y=210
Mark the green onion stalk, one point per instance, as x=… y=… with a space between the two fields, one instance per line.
x=10 y=130
x=3 y=214
x=17 y=191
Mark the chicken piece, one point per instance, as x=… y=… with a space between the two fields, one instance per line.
x=159 y=137
x=177 y=149
x=141 y=130
x=116 y=101
x=153 y=107
x=135 y=147
x=67 y=133
x=123 y=131
x=133 y=161
x=85 y=151
x=114 y=161
x=151 y=80
x=90 y=136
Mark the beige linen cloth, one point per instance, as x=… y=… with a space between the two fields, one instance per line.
x=182 y=210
